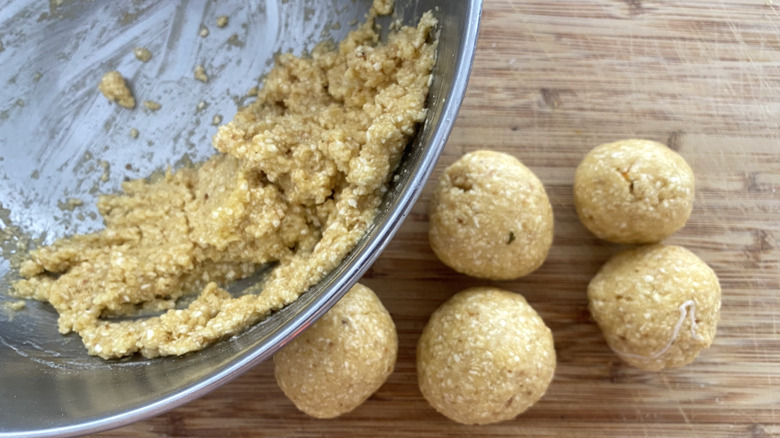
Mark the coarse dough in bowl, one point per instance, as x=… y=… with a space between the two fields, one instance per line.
x=60 y=143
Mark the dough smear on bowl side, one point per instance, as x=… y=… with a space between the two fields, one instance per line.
x=297 y=181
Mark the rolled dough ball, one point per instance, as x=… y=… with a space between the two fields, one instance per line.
x=337 y=363
x=657 y=305
x=633 y=191
x=490 y=217
x=484 y=356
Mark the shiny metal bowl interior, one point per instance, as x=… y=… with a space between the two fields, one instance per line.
x=59 y=139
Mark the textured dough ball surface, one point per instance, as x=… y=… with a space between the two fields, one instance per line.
x=657 y=306
x=490 y=217
x=484 y=356
x=337 y=363
x=633 y=191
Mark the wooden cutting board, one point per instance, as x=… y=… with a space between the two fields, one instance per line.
x=551 y=80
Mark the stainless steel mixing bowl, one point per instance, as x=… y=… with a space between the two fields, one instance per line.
x=60 y=140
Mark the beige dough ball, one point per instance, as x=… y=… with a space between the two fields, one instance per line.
x=484 y=356
x=490 y=217
x=657 y=305
x=337 y=363
x=633 y=191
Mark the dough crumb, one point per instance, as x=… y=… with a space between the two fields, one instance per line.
x=383 y=7
x=216 y=120
x=658 y=306
x=204 y=31
x=134 y=132
x=485 y=356
x=222 y=21
x=335 y=365
x=142 y=54
x=106 y=166
x=200 y=74
x=114 y=88
x=10 y=308
x=152 y=105
x=15 y=305
x=70 y=204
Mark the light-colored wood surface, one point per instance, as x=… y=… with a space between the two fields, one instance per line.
x=551 y=80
